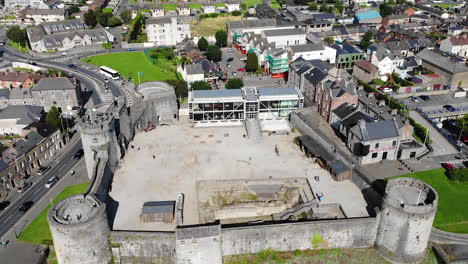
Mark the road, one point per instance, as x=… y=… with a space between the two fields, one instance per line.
x=60 y=167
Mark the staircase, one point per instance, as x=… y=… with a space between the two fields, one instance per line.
x=254 y=131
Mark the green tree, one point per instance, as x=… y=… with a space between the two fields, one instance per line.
x=18 y=35
x=200 y=85
x=313 y=6
x=126 y=16
x=202 y=44
x=236 y=13
x=114 y=21
x=339 y=7
x=90 y=18
x=234 y=83
x=366 y=40
x=243 y=6
x=323 y=8
x=463 y=122
x=102 y=18
x=214 y=53
x=73 y=9
x=53 y=117
x=251 y=65
x=331 y=9
x=180 y=87
x=329 y=40
x=385 y=9
x=136 y=28
x=221 y=38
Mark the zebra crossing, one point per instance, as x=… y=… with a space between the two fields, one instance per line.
x=64 y=59
x=460 y=161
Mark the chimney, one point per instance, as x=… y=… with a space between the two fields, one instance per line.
x=381 y=103
x=394 y=112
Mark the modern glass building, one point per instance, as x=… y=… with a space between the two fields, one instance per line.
x=236 y=105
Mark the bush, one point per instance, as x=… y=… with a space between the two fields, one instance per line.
x=236 y=13
x=234 y=83
x=458 y=175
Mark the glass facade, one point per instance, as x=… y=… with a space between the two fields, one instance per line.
x=217 y=111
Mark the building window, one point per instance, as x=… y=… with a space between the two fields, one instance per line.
x=394 y=143
x=374 y=155
x=377 y=145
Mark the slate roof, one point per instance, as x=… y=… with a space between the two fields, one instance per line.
x=306 y=48
x=352 y=119
x=24 y=114
x=62 y=83
x=369 y=131
x=252 y=23
x=346 y=49
x=21 y=147
x=339 y=167
x=324 y=16
x=158 y=20
x=440 y=60
x=284 y=32
x=194 y=69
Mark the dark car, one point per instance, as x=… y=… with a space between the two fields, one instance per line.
x=78 y=154
x=449 y=108
x=24 y=187
x=425 y=97
x=72 y=66
x=33 y=63
x=4 y=205
x=42 y=170
x=230 y=59
x=25 y=207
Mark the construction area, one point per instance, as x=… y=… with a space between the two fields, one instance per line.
x=219 y=172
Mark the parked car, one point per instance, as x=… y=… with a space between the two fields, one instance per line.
x=425 y=98
x=51 y=181
x=241 y=70
x=25 y=207
x=230 y=59
x=24 y=187
x=4 y=204
x=387 y=90
x=231 y=50
x=106 y=80
x=32 y=63
x=42 y=170
x=131 y=49
x=78 y=154
x=450 y=108
x=2 y=43
x=228 y=65
x=447 y=166
x=414 y=98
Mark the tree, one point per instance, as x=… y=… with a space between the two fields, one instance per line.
x=385 y=9
x=114 y=21
x=243 y=6
x=313 y=6
x=324 y=8
x=329 y=40
x=366 y=40
x=221 y=38
x=202 y=44
x=53 y=117
x=331 y=9
x=90 y=18
x=136 y=28
x=234 y=83
x=73 y=9
x=236 y=13
x=18 y=35
x=214 y=53
x=200 y=85
x=339 y=7
x=251 y=65
x=126 y=16
x=180 y=87
x=102 y=18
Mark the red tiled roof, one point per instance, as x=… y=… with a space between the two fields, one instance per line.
x=462 y=40
x=367 y=66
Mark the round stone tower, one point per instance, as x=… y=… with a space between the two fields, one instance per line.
x=80 y=230
x=406 y=217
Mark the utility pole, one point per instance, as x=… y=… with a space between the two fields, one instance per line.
x=461 y=132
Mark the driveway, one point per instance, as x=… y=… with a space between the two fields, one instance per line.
x=440 y=144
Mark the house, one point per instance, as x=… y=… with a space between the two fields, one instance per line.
x=313 y=51
x=157 y=11
x=63 y=93
x=285 y=37
x=384 y=59
x=455 y=45
x=192 y=73
x=455 y=31
x=434 y=11
x=395 y=19
x=374 y=141
x=208 y=9
x=17 y=79
x=183 y=10
x=232 y=5
x=347 y=55
x=453 y=69
x=65 y=35
x=167 y=31
x=37 y=16
x=325 y=16
x=26 y=3
x=368 y=17
x=14 y=118
x=360 y=2
x=365 y=71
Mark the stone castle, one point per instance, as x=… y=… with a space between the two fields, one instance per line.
x=82 y=232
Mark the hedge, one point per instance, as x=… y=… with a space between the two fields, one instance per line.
x=458 y=175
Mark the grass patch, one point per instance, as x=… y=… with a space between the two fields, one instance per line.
x=452 y=197
x=170 y=7
x=275 y=5
x=445 y=6
x=130 y=63
x=251 y=3
x=220 y=4
x=19 y=47
x=107 y=10
x=38 y=231
x=195 y=6
x=209 y=26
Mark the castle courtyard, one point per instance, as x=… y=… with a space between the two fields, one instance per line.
x=170 y=160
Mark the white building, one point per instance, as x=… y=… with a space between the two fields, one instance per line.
x=312 y=52
x=360 y=2
x=183 y=10
x=191 y=73
x=42 y=15
x=14 y=118
x=157 y=12
x=208 y=9
x=232 y=6
x=285 y=37
x=167 y=31
x=26 y=3
x=455 y=45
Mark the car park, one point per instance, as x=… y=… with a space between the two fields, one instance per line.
x=4 y=204
x=425 y=98
x=51 y=181
x=25 y=207
x=414 y=99
x=42 y=170
x=24 y=187
x=78 y=154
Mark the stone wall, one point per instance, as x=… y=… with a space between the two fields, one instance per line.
x=347 y=233
x=143 y=247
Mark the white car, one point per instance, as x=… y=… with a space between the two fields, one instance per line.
x=387 y=90
x=231 y=50
x=51 y=181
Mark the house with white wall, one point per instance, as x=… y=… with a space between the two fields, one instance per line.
x=232 y=5
x=191 y=73
x=285 y=37
x=455 y=45
x=208 y=9
x=157 y=12
x=313 y=51
x=167 y=31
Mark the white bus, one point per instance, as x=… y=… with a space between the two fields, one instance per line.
x=106 y=71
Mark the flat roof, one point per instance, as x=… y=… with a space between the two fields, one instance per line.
x=201 y=94
x=278 y=91
x=284 y=32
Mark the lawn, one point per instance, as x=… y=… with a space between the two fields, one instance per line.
x=251 y=3
x=275 y=5
x=324 y=256
x=107 y=10
x=453 y=197
x=220 y=4
x=445 y=6
x=169 y=7
x=208 y=26
x=128 y=64
x=195 y=6
x=19 y=47
x=38 y=231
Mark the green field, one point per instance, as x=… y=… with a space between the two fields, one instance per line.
x=209 y=26
x=251 y=3
x=169 y=7
x=323 y=256
x=19 y=47
x=220 y=5
x=453 y=198
x=128 y=64
x=38 y=231
x=107 y=10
